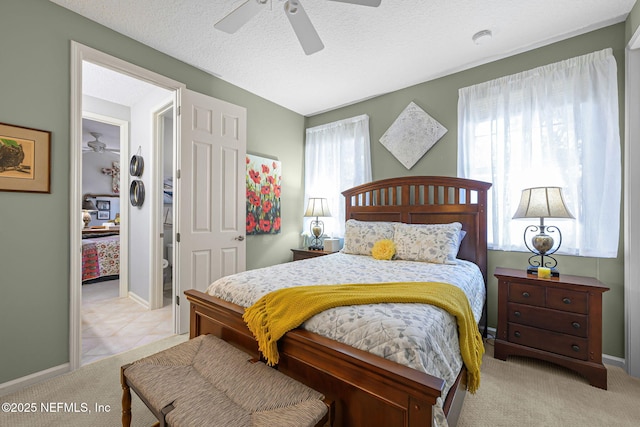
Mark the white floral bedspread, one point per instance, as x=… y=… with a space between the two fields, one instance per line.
x=420 y=336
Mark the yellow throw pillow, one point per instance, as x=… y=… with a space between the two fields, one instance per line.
x=384 y=249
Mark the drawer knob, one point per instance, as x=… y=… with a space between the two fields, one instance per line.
x=576 y=325
x=525 y=294
x=517 y=314
x=516 y=334
x=566 y=300
x=575 y=347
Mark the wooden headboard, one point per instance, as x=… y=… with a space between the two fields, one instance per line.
x=427 y=200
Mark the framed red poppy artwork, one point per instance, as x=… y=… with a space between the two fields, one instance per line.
x=264 y=180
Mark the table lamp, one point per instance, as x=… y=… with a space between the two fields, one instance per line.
x=87 y=207
x=317 y=207
x=542 y=202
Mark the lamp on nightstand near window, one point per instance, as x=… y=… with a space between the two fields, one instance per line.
x=542 y=202
x=317 y=207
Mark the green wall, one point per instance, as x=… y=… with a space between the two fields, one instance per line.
x=633 y=22
x=34 y=228
x=439 y=98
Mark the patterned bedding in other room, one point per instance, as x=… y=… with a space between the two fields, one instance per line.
x=100 y=257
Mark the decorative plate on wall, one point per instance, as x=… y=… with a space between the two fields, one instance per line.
x=136 y=166
x=136 y=193
x=411 y=135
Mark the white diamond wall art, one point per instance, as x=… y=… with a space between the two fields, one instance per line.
x=411 y=135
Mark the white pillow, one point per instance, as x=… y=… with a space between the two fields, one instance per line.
x=436 y=243
x=360 y=236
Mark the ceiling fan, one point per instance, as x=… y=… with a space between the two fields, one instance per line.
x=98 y=146
x=302 y=26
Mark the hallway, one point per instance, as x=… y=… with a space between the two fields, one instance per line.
x=112 y=325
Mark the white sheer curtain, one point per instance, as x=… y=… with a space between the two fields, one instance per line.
x=555 y=125
x=337 y=157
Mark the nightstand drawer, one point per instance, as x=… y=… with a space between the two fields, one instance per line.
x=552 y=320
x=573 y=301
x=558 y=320
x=554 y=342
x=526 y=294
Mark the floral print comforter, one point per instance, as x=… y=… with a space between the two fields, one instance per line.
x=420 y=336
x=100 y=257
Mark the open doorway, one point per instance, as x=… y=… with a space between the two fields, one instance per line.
x=111 y=321
x=632 y=206
x=209 y=139
x=165 y=133
x=105 y=86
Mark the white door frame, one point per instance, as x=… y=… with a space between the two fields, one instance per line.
x=124 y=201
x=80 y=53
x=632 y=207
x=156 y=291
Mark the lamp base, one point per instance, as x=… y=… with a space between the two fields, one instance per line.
x=534 y=270
x=316 y=248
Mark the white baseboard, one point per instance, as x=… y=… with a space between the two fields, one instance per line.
x=20 y=383
x=606 y=359
x=139 y=300
x=614 y=361
x=491 y=332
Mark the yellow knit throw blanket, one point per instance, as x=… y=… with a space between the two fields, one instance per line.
x=278 y=312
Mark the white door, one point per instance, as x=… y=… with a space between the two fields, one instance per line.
x=211 y=195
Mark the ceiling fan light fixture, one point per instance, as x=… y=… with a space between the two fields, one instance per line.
x=97 y=146
x=302 y=26
x=291 y=6
x=482 y=37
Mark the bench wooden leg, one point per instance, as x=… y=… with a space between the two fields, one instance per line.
x=327 y=420
x=126 y=399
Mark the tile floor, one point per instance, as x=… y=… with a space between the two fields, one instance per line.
x=112 y=325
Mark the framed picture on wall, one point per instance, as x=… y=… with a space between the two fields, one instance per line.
x=264 y=180
x=103 y=214
x=25 y=159
x=103 y=205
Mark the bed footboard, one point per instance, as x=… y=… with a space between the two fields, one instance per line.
x=367 y=390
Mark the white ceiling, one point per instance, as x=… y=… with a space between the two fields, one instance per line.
x=368 y=51
x=109 y=85
x=109 y=134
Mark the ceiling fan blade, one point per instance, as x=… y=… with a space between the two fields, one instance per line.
x=302 y=26
x=240 y=16
x=372 y=3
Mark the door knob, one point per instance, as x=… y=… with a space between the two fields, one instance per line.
x=239 y=238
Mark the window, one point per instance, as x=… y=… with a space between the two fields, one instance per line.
x=337 y=157
x=556 y=125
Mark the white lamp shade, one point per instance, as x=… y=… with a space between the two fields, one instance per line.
x=317 y=207
x=542 y=202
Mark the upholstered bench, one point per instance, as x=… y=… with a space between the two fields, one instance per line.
x=208 y=382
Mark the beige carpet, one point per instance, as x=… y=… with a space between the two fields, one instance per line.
x=95 y=384
x=518 y=392
x=529 y=393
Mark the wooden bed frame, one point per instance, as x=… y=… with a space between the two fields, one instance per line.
x=368 y=390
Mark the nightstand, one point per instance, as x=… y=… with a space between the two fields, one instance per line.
x=303 y=253
x=558 y=320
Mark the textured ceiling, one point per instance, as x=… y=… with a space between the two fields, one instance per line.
x=368 y=51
